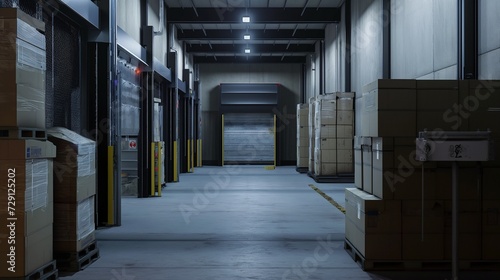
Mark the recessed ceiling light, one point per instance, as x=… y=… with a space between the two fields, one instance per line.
x=246 y=36
x=247 y=50
x=245 y=19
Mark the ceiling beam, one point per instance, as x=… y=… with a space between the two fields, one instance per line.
x=249 y=59
x=255 y=48
x=256 y=34
x=257 y=15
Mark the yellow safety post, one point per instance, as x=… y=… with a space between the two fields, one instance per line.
x=222 y=139
x=153 y=169
x=160 y=164
x=176 y=178
x=111 y=200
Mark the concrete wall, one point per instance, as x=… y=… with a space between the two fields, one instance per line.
x=159 y=41
x=211 y=75
x=489 y=39
x=128 y=17
x=424 y=39
x=335 y=46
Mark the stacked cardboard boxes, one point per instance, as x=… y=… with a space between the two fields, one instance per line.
x=74 y=188
x=334 y=126
x=303 y=136
x=26 y=160
x=22 y=70
x=26 y=206
x=312 y=110
x=393 y=113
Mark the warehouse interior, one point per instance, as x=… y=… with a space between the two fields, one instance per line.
x=250 y=139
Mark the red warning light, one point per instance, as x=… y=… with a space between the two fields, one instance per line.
x=137 y=71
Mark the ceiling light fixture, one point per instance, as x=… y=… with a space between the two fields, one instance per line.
x=245 y=19
x=247 y=50
x=246 y=36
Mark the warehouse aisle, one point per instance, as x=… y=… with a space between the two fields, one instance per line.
x=232 y=223
x=227 y=223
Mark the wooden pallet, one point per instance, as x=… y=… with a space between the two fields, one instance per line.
x=22 y=133
x=413 y=265
x=341 y=178
x=76 y=261
x=47 y=271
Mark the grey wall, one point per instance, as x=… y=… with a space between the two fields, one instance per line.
x=489 y=39
x=335 y=46
x=424 y=39
x=211 y=75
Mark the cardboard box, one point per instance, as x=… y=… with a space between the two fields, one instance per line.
x=469 y=246
x=431 y=120
x=326 y=131
x=73 y=223
x=491 y=216
x=325 y=168
x=437 y=84
x=405 y=184
x=367 y=170
x=345 y=117
x=371 y=214
x=438 y=100
x=467 y=183
x=389 y=124
x=345 y=156
x=303 y=114
x=345 y=131
x=303 y=152
x=312 y=111
x=433 y=219
x=374 y=246
x=24 y=107
x=490 y=247
x=391 y=83
x=303 y=162
x=72 y=246
x=28 y=164
x=390 y=99
x=303 y=141
x=430 y=248
x=325 y=156
x=358 y=169
x=469 y=216
x=325 y=119
x=74 y=166
x=491 y=183
x=345 y=168
x=325 y=143
x=345 y=104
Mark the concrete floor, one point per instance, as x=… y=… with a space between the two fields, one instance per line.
x=241 y=222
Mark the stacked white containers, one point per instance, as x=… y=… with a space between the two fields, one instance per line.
x=312 y=136
x=333 y=137
x=303 y=136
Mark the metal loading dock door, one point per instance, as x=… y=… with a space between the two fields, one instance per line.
x=248 y=138
x=248 y=123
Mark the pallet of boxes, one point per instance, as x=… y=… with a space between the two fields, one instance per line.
x=333 y=138
x=26 y=157
x=399 y=215
x=312 y=103
x=74 y=200
x=302 y=138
